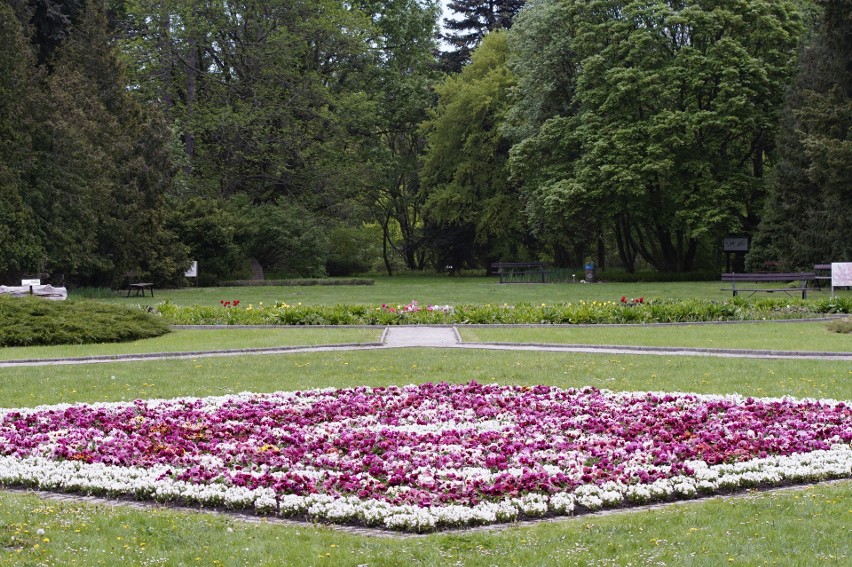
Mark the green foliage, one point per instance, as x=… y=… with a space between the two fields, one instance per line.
x=806 y=217
x=34 y=321
x=88 y=168
x=209 y=227
x=353 y=250
x=464 y=170
x=665 y=135
x=21 y=251
x=284 y=238
x=580 y=312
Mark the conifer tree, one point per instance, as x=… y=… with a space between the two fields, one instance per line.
x=810 y=204
x=475 y=19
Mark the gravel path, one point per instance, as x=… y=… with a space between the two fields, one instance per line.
x=442 y=337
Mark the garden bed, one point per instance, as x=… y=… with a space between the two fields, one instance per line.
x=426 y=457
x=647 y=310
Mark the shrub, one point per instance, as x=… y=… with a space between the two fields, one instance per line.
x=33 y=321
x=841 y=326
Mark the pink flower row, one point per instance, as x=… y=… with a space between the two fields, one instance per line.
x=428 y=445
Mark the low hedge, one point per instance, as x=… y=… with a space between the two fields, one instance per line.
x=583 y=312
x=35 y=322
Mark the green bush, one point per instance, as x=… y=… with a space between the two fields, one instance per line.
x=841 y=326
x=34 y=321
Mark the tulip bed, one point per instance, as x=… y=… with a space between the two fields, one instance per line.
x=425 y=457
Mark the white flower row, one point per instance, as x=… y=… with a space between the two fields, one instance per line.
x=154 y=484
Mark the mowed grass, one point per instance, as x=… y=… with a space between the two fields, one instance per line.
x=196 y=340
x=802 y=526
x=27 y=386
x=799 y=527
x=807 y=526
x=792 y=336
x=400 y=290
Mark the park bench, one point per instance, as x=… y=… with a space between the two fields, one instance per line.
x=133 y=284
x=521 y=272
x=769 y=277
x=822 y=273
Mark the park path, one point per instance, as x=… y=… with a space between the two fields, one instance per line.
x=443 y=337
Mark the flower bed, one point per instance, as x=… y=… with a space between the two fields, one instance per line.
x=645 y=311
x=429 y=456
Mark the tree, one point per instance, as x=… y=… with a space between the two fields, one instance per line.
x=21 y=251
x=676 y=110
x=476 y=19
x=542 y=124
x=399 y=93
x=464 y=171
x=806 y=220
x=95 y=166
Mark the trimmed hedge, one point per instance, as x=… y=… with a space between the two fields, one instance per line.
x=36 y=322
x=583 y=312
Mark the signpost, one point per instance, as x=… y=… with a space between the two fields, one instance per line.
x=841 y=275
x=734 y=244
x=192 y=271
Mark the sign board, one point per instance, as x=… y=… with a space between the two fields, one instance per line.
x=841 y=274
x=736 y=243
x=192 y=271
x=30 y=282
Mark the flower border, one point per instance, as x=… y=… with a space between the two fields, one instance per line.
x=156 y=484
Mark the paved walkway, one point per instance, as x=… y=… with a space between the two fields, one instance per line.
x=442 y=337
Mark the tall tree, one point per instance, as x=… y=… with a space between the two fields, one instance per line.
x=542 y=123
x=475 y=212
x=399 y=89
x=97 y=165
x=807 y=215
x=21 y=250
x=473 y=19
x=677 y=107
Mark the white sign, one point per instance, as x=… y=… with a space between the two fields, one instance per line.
x=841 y=274
x=30 y=282
x=192 y=272
x=736 y=244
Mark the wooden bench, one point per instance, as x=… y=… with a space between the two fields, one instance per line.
x=769 y=277
x=822 y=273
x=521 y=272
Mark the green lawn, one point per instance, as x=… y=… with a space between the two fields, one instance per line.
x=795 y=527
x=806 y=526
x=803 y=527
x=438 y=291
x=116 y=381
x=760 y=336
x=191 y=340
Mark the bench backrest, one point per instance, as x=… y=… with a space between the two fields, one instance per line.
x=519 y=265
x=769 y=277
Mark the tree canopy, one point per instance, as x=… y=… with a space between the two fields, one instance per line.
x=303 y=138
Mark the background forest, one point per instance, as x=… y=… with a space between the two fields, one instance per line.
x=305 y=138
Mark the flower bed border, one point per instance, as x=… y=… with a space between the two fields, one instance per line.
x=154 y=484
x=717 y=480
